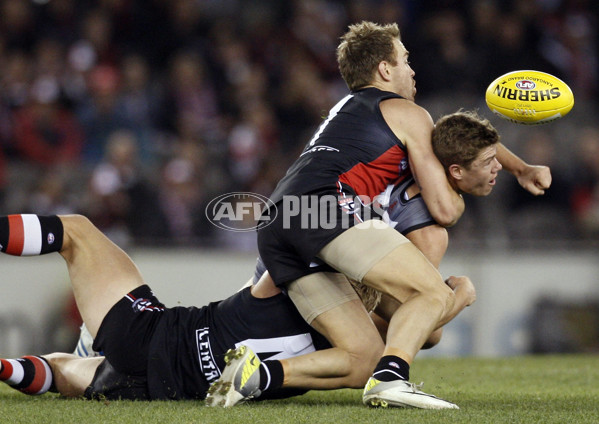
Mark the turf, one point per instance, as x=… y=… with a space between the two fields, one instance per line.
x=530 y=389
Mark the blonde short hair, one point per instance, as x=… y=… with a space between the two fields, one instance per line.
x=362 y=48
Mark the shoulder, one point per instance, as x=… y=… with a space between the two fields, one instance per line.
x=396 y=108
x=407 y=119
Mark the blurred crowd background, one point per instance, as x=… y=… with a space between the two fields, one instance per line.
x=137 y=113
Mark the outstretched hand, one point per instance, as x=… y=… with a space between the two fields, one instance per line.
x=536 y=179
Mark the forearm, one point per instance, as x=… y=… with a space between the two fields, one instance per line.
x=445 y=204
x=465 y=295
x=448 y=210
x=510 y=161
x=534 y=178
x=414 y=128
x=458 y=306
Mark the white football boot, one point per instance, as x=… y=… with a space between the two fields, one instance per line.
x=239 y=381
x=402 y=394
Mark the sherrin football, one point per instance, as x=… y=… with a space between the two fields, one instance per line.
x=529 y=97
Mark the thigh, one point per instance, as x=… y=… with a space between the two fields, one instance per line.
x=128 y=329
x=328 y=302
x=358 y=249
x=378 y=256
x=101 y=273
x=349 y=327
x=320 y=292
x=289 y=243
x=405 y=272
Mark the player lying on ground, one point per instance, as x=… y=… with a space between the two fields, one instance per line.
x=469 y=149
x=151 y=351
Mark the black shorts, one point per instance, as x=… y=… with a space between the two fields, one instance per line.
x=290 y=243
x=126 y=331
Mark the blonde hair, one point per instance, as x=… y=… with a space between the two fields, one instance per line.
x=362 y=48
x=370 y=297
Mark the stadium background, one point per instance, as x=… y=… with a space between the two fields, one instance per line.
x=138 y=113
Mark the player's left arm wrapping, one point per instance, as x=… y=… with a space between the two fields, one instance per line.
x=413 y=125
x=534 y=178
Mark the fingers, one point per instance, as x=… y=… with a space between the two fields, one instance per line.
x=464 y=286
x=542 y=178
x=536 y=180
x=535 y=189
x=453 y=282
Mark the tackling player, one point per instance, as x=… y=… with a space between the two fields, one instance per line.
x=469 y=148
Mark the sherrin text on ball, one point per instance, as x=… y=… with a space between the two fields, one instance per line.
x=529 y=97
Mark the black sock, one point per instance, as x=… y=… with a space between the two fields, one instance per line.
x=52 y=233
x=392 y=368
x=271 y=375
x=28 y=234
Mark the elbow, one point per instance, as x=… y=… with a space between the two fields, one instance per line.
x=448 y=215
x=446 y=211
x=446 y=222
x=447 y=218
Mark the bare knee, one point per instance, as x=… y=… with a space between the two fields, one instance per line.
x=75 y=227
x=437 y=298
x=75 y=224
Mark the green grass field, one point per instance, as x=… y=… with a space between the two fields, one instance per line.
x=533 y=389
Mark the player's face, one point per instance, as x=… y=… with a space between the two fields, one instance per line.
x=480 y=177
x=403 y=74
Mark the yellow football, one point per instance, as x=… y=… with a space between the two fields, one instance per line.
x=529 y=97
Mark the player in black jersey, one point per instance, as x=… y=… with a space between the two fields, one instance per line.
x=374 y=137
x=151 y=352
x=359 y=150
